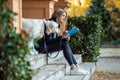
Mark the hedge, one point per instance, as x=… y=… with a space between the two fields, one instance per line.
x=87 y=40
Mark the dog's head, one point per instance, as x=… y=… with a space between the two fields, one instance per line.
x=52 y=27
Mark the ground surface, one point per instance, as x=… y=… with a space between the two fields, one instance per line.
x=102 y=75
x=107 y=68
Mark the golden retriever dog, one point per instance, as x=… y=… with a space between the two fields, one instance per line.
x=35 y=28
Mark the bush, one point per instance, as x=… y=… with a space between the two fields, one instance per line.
x=87 y=41
x=13 y=48
x=110 y=21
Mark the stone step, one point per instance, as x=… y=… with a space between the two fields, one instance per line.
x=62 y=60
x=49 y=72
x=57 y=68
x=54 y=70
x=108 y=64
x=39 y=60
x=88 y=66
x=60 y=54
x=109 y=52
x=72 y=77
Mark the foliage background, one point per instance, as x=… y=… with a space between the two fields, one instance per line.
x=109 y=10
x=78 y=7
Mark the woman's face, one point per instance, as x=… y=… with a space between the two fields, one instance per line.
x=62 y=17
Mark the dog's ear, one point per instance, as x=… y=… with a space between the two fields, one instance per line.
x=48 y=27
x=55 y=27
x=54 y=24
x=52 y=27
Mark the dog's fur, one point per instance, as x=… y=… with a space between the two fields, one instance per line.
x=35 y=28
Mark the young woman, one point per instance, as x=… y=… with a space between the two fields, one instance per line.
x=60 y=17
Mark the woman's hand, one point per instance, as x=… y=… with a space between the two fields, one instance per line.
x=66 y=37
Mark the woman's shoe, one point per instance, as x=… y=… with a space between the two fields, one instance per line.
x=79 y=70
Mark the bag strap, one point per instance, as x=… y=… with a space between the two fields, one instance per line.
x=45 y=45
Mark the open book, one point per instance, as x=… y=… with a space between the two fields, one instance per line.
x=72 y=31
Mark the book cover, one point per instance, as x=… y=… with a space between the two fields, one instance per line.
x=72 y=31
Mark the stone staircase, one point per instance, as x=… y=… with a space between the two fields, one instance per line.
x=44 y=68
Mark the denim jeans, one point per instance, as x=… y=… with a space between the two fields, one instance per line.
x=68 y=54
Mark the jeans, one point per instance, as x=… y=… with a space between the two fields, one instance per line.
x=68 y=54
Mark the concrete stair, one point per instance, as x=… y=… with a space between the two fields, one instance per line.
x=49 y=72
x=88 y=66
x=37 y=60
x=45 y=68
x=62 y=60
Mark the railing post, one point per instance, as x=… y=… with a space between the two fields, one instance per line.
x=16 y=6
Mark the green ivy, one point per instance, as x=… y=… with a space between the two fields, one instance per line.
x=87 y=40
x=14 y=64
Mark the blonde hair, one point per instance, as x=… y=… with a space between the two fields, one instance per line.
x=56 y=14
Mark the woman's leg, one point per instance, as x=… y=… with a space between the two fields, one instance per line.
x=66 y=50
x=75 y=69
x=68 y=53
